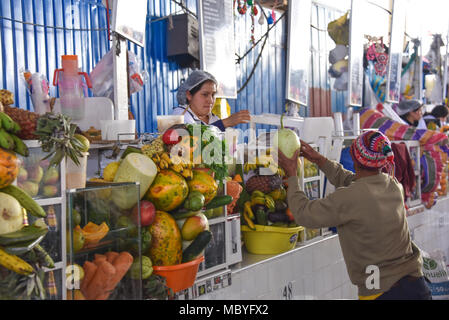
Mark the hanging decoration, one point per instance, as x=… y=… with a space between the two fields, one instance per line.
x=434 y=74
x=338 y=31
x=410 y=82
x=242 y=8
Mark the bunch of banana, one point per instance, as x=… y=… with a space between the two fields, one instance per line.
x=259 y=198
x=8 y=139
x=164 y=161
x=248 y=215
x=265 y=161
x=155 y=147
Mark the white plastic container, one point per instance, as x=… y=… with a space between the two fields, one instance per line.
x=165 y=122
x=110 y=129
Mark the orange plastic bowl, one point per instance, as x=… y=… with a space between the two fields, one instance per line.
x=179 y=276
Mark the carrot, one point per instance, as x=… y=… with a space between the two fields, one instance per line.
x=111 y=256
x=99 y=258
x=122 y=263
x=89 y=272
x=100 y=281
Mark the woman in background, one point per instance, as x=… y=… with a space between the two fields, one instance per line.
x=436 y=118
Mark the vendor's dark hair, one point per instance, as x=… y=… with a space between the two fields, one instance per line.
x=440 y=111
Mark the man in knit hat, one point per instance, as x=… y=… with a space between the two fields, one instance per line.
x=368 y=210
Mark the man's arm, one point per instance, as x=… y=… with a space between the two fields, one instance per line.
x=336 y=174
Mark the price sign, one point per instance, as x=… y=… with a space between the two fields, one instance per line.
x=217 y=48
x=298 y=53
x=396 y=49
x=355 y=69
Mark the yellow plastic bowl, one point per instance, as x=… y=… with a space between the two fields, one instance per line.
x=270 y=240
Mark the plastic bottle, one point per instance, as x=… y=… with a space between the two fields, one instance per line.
x=68 y=80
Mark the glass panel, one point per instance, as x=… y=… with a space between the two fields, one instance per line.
x=52 y=241
x=214 y=253
x=53 y=284
x=106 y=210
x=312 y=233
x=312 y=189
x=310 y=169
x=37 y=178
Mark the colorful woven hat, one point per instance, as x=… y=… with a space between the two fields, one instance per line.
x=372 y=150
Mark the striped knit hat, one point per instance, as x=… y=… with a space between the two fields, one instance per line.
x=372 y=150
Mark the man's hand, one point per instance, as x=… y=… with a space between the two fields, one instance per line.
x=243 y=116
x=312 y=155
x=290 y=165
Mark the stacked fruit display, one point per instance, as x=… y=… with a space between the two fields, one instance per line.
x=263 y=200
x=175 y=197
x=267 y=209
x=21 y=256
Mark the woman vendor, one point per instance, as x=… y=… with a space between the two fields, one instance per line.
x=436 y=118
x=411 y=112
x=196 y=98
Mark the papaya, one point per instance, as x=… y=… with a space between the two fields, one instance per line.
x=9 y=167
x=168 y=190
x=204 y=183
x=166 y=244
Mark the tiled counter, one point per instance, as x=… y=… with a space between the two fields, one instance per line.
x=317 y=270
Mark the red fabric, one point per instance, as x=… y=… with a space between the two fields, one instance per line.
x=404 y=171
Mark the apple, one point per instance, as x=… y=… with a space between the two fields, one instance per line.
x=35 y=174
x=51 y=176
x=23 y=175
x=50 y=191
x=30 y=187
x=147 y=213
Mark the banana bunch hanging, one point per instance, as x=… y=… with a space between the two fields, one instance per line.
x=265 y=161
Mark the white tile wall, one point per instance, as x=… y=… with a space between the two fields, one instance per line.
x=318 y=271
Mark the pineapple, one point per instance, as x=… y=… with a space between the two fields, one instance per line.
x=266 y=184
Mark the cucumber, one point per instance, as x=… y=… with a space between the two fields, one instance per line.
x=23 y=247
x=197 y=246
x=26 y=234
x=261 y=217
x=183 y=213
x=25 y=200
x=219 y=201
